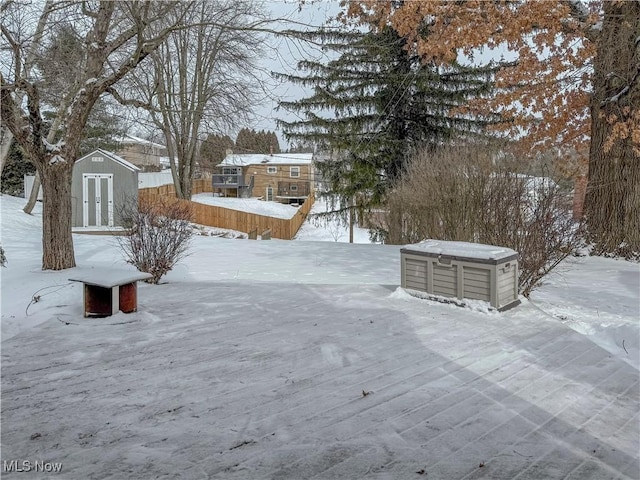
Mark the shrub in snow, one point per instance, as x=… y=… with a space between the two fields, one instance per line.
x=461 y=194
x=3 y=259
x=158 y=236
x=536 y=223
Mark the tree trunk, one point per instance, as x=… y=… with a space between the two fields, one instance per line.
x=612 y=202
x=351 y=220
x=186 y=188
x=6 y=137
x=57 y=241
x=33 y=195
x=186 y=181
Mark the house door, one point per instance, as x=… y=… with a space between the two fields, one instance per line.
x=97 y=199
x=269 y=196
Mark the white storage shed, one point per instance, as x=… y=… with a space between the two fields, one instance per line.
x=462 y=270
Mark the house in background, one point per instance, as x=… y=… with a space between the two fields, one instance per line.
x=280 y=177
x=145 y=154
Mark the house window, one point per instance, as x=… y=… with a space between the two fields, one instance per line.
x=294 y=172
x=272 y=169
x=294 y=188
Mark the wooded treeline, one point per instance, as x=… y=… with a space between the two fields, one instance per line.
x=215 y=147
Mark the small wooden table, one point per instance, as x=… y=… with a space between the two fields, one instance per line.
x=107 y=291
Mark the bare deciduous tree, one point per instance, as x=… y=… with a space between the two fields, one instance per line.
x=202 y=79
x=117 y=37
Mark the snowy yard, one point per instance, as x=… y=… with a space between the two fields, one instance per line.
x=318 y=228
x=250 y=205
x=304 y=359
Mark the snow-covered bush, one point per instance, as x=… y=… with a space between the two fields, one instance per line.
x=158 y=236
x=462 y=194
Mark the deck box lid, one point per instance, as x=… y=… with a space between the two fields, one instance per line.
x=464 y=251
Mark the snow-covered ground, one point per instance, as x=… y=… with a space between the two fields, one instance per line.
x=251 y=205
x=321 y=229
x=304 y=359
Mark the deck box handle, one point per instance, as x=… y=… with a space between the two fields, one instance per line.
x=445 y=262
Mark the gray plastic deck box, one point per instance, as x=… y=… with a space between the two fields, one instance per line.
x=462 y=270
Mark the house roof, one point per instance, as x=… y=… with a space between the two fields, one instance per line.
x=111 y=156
x=166 y=161
x=131 y=139
x=241 y=160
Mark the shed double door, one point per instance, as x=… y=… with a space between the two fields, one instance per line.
x=97 y=199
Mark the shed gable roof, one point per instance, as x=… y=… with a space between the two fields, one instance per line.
x=110 y=156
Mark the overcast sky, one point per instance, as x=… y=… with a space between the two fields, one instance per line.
x=285 y=55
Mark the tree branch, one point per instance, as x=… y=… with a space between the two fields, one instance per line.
x=624 y=91
x=129 y=102
x=579 y=11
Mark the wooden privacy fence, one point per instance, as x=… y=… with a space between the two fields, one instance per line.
x=213 y=216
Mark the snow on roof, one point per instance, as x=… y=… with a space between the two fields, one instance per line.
x=461 y=250
x=241 y=160
x=137 y=140
x=166 y=161
x=113 y=157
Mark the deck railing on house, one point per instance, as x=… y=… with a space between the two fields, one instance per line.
x=231 y=180
x=220 y=217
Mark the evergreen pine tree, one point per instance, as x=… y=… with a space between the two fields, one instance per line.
x=252 y=141
x=15 y=169
x=213 y=151
x=375 y=105
x=104 y=129
x=273 y=142
x=263 y=141
x=245 y=141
